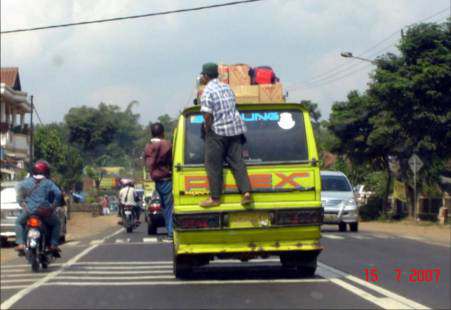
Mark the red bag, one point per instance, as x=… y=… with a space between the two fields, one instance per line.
x=263 y=75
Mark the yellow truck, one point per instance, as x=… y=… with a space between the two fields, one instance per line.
x=284 y=219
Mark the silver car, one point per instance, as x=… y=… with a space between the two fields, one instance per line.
x=337 y=198
x=10 y=210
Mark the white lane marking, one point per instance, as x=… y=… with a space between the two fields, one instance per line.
x=13 y=266
x=360 y=237
x=95 y=242
x=9 y=276
x=119 y=241
x=142 y=272
x=150 y=240
x=163 y=262
x=109 y=268
x=13 y=287
x=194 y=282
x=71 y=243
x=132 y=243
x=22 y=293
x=413 y=238
x=382 y=236
x=17 y=281
x=13 y=270
x=381 y=302
x=163 y=277
x=392 y=299
x=330 y=236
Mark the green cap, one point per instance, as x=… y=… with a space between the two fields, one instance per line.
x=210 y=69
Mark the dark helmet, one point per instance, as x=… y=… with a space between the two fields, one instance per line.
x=41 y=169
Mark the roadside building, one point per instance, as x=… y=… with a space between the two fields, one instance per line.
x=14 y=131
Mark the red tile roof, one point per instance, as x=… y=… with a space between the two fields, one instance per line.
x=10 y=76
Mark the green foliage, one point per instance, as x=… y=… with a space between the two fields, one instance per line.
x=406 y=109
x=372 y=209
x=65 y=160
x=105 y=130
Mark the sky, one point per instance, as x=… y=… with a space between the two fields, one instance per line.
x=156 y=60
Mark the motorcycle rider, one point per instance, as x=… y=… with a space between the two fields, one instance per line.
x=38 y=195
x=129 y=197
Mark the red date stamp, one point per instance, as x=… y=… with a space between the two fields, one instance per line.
x=414 y=275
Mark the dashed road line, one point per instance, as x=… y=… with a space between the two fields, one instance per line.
x=141 y=272
x=22 y=293
x=382 y=236
x=331 y=236
x=359 y=237
x=390 y=301
x=96 y=242
x=71 y=243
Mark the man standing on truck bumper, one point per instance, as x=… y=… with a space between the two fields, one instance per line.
x=224 y=136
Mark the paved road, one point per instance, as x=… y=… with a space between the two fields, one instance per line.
x=134 y=271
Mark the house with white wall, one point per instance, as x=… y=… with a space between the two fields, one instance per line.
x=15 y=133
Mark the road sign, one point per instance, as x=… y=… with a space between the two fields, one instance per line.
x=415 y=163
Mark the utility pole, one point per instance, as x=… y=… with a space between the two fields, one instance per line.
x=31 y=135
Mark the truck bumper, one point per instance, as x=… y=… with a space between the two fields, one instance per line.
x=261 y=241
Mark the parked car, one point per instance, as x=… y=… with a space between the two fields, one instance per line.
x=337 y=198
x=362 y=194
x=153 y=215
x=10 y=209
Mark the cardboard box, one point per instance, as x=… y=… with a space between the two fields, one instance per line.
x=246 y=93
x=239 y=75
x=223 y=71
x=270 y=93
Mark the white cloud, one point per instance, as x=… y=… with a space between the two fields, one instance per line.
x=155 y=60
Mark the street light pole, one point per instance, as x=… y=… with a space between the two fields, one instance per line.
x=349 y=55
x=31 y=134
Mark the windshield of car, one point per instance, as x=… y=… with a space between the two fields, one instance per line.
x=335 y=184
x=272 y=136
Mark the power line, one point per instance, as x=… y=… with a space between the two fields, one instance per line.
x=39 y=118
x=334 y=78
x=132 y=16
x=346 y=67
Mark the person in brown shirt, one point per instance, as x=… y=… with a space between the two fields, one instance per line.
x=158 y=160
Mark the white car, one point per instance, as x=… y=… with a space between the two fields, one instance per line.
x=10 y=210
x=337 y=198
x=361 y=194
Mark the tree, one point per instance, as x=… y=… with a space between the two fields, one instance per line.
x=105 y=135
x=315 y=114
x=406 y=109
x=65 y=160
x=415 y=89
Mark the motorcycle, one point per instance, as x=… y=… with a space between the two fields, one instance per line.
x=36 y=249
x=129 y=219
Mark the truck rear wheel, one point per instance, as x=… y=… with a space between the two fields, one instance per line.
x=183 y=266
x=354 y=227
x=304 y=263
x=151 y=228
x=342 y=227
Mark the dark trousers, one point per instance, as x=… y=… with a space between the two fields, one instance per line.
x=217 y=149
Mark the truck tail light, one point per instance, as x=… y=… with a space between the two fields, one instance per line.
x=300 y=217
x=197 y=221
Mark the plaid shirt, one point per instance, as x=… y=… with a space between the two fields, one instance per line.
x=218 y=99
